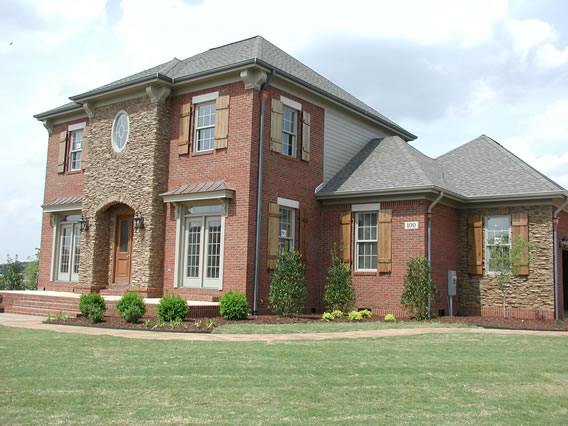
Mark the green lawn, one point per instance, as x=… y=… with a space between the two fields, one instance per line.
x=49 y=377
x=323 y=327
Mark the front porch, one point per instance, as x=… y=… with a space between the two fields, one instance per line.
x=40 y=303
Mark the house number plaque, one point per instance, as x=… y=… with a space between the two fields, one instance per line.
x=410 y=225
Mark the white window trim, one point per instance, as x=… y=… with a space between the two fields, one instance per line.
x=290 y=103
x=293 y=135
x=77 y=126
x=486 y=261
x=180 y=247
x=370 y=207
x=114 y=146
x=53 y=274
x=197 y=129
x=284 y=202
x=357 y=241
x=71 y=151
x=205 y=98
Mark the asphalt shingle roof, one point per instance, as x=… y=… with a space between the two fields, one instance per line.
x=239 y=53
x=477 y=169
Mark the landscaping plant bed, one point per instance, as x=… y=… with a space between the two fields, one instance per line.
x=194 y=325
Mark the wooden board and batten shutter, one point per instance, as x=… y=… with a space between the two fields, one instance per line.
x=85 y=147
x=303 y=229
x=520 y=228
x=384 y=252
x=184 y=129
x=62 y=151
x=475 y=245
x=273 y=228
x=305 y=136
x=345 y=237
x=222 y=122
x=276 y=126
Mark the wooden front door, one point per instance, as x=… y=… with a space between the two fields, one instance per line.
x=123 y=249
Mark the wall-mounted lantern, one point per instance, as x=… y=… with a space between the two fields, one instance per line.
x=84 y=223
x=138 y=221
x=564 y=243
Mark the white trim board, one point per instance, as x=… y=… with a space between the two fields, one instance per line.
x=204 y=98
x=284 y=202
x=370 y=207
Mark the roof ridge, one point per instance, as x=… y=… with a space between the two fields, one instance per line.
x=415 y=166
x=234 y=42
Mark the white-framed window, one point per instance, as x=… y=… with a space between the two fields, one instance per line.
x=366 y=241
x=497 y=239
x=67 y=248
x=120 y=131
x=75 y=149
x=205 y=126
x=289 y=131
x=286 y=228
x=202 y=232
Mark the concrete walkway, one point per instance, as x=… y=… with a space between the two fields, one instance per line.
x=36 y=323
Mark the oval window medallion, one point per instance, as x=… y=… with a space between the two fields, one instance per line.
x=120 y=129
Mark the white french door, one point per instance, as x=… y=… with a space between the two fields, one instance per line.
x=69 y=252
x=203 y=252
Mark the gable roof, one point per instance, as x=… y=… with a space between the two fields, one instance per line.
x=479 y=169
x=255 y=50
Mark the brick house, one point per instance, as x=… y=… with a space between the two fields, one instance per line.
x=188 y=177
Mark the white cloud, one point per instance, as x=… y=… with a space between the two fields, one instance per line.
x=483 y=96
x=529 y=33
x=548 y=56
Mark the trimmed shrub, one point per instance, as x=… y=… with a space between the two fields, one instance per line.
x=288 y=291
x=418 y=288
x=327 y=316
x=131 y=306
x=339 y=292
x=92 y=306
x=390 y=317
x=337 y=314
x=172 y=308
x=365 y=313
x=234 y=306
x=355 y=316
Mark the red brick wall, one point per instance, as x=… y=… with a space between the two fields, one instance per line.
x=444 y=254
x=56 y=185
x=381 y=292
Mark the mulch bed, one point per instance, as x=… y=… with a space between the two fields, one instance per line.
x=191 y=326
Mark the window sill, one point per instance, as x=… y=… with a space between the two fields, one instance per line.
x=198 y=153
x=365 y=273
x=72 y=172
x=289 y=157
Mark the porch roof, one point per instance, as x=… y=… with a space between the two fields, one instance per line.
x=60 y=204
x=199 y=191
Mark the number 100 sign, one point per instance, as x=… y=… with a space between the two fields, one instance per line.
x=410 y=225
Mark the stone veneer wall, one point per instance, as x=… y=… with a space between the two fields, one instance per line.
x=134 y=177
x=527 y=297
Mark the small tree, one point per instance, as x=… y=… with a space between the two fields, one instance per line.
x=288 y=291
x=31 y=272
x=12 y=278
x=418 y=288
x=506 y=263
x=339 y=292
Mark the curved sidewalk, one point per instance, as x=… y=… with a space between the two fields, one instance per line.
x=36 y=323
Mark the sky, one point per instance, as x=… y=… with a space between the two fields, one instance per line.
x=446 y=70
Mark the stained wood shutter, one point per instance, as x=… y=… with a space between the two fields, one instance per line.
x=184 y=129
x=85 y=147
x=520 y=228
x=273 y=227
x=475 y=245
x=62 y=151
x=306 y=136
x=276 y=126
x=345 y=236
x=303 y=228
x=222 y=122
x=384 y=252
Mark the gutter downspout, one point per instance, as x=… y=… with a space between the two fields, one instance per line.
x=429 y=243
x=555 y=221
x=259 y=192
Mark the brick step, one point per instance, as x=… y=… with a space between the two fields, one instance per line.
x=45 y=304
x=40 y=312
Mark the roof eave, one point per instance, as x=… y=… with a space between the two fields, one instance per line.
x=428 y=189
x=517 y=197
x=57 y=112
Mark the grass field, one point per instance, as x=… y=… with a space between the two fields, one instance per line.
x=49 y=377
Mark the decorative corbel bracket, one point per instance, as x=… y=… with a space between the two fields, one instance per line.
x=253 y=78
x=158 y=94
x=48 y=124
x=89 y=109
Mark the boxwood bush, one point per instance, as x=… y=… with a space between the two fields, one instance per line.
x=172 y=308
x=288 y=291
x=234 y=306
x=131 y=306
x=92 y=306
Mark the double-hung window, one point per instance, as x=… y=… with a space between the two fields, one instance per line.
x=205 y=126
x=203 y=234
x=75 y=149
x=286 y=229
x=68 y=242
x=497 y=240
x=289 y=131
x=366 y=241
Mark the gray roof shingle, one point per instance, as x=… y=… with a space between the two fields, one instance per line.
x=478 y=169
x=255 y=49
